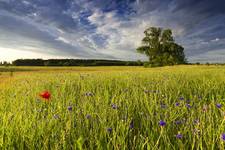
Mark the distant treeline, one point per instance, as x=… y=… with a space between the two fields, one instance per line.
x=82 y=62
x=5 y=63
x=74 y=62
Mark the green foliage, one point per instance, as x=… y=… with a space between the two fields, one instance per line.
x=160 y=47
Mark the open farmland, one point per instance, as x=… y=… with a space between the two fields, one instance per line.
x=181 y=107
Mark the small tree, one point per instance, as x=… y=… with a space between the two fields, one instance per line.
x=6 y=64
x=160 y=47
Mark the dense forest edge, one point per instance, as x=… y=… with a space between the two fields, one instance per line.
x=83 y=62
x=71 y=62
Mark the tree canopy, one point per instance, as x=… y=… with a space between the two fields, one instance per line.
x=159 y=45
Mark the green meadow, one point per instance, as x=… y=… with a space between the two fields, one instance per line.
x=179 y=107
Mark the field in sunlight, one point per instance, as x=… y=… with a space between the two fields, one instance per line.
x=180 y=107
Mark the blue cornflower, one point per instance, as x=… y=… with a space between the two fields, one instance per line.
x=70 y=108
x=162 y=123
x=88 y=116
x=114 y=106
x=109 y=130
x=131 y=124
x=188 y=105
x=177 y=104
x=181 y=98
x=179 y=136
x=218 y=105
x=223 y=136
x=178 y=122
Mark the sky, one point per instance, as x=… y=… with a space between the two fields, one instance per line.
x=108 y=29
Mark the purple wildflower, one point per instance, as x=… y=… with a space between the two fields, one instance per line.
x=179 y=136
x=223 y=136
x=114 y=106
x=188 y=105
x=70 y=108
x=109 y=130
x=162 y=123
x=218 y=105
x=181 y=98
x=88 y=116
x=131 y=124
x=177 y=104
x=178 y=122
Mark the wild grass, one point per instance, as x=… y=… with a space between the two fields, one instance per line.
x=114 y=108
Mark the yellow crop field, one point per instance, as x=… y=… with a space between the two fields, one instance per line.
x=112 y=107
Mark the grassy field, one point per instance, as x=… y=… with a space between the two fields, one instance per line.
x=181 y=107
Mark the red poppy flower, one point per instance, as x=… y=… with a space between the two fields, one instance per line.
x=46 y=95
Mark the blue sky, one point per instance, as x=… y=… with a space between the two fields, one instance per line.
x=108 y=29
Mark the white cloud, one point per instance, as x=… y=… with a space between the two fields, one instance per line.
x=12 y=54
x=26 y=2
x=215 y=40
x=123 y=37
x=63 y=40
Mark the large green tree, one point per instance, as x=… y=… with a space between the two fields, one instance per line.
x=159 y=45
